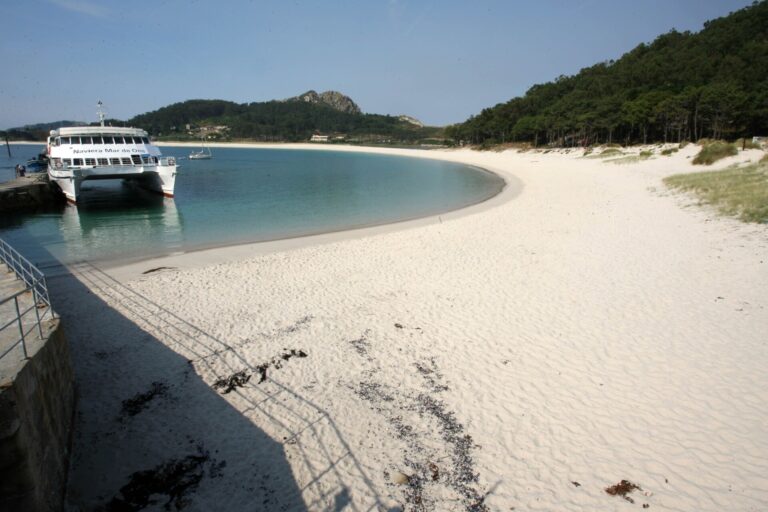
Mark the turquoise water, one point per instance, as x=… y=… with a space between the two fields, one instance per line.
x=241 y=195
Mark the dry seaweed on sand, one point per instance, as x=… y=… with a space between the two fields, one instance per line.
x=172 y=481
x=622 y=489
x=236 y=380
x=139 y=402
x=241 y=378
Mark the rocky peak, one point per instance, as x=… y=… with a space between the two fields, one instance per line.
x=333 y=99
x=411 y=120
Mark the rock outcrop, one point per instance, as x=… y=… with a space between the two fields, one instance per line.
x=411 y=120
x=333 y=99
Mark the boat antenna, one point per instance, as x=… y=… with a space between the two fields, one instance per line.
x=100 y=111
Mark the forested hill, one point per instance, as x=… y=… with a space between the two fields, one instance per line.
x=277 y=121
x=294 y=119
x=682 y=86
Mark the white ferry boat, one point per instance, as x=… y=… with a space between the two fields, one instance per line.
x=81 y=153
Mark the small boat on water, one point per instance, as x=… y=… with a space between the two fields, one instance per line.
x=81 y=153
x=203 y=154
x=37 y=164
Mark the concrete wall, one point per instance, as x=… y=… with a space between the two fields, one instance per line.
x=28 y=194
x=36 y=418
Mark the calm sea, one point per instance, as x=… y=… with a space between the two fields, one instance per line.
x=241 y=195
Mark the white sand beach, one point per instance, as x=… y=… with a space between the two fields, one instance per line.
x=584 y=327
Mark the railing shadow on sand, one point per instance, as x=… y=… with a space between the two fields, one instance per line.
x=138 y=444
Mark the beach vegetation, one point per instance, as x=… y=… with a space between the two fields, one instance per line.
x=612 y=151
x=674 y=89
x=746 y=143
x=669 y=151
x=631 y=159
x=713 y=151
x=740 y=191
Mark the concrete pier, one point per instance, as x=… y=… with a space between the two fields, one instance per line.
x=29 y=193
x=37 y=401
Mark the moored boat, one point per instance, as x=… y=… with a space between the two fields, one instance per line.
x=203 y=154
x=37 y=164
x=82 y=153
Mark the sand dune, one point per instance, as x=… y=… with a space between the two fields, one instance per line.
x=582 y=328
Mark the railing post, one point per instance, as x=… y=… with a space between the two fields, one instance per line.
x=37 y=311
x=21 y=328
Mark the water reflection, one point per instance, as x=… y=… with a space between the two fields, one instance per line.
x=117 y=221
x=120 y=222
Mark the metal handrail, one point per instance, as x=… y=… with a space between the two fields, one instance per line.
x=35 y=284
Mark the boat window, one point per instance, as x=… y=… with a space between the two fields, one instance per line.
x=86 y=140
x=56 y=141
x=97 y=139
x=114 y=161
x=103 y=161
x=65 y=140
x=67 y=161
x=145 y=140
x=74 y=140
x=107 y=139
x=77 y=161
x=125 y=160
x=117 y=139
x=90 y=161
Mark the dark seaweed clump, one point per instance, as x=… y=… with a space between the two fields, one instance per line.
x=133 y=406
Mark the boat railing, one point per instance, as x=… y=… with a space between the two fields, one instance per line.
x=145 y=161
x=27 y=309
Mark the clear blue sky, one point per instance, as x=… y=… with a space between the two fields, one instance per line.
x=438 y=60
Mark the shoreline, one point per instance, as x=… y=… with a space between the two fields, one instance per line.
x=131 y=268
x=127 y=267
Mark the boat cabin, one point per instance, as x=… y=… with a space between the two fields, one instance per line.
x=97 y=146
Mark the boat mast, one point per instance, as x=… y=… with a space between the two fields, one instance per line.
x=100 y=111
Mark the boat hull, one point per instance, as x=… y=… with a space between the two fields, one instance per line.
x=156 y=178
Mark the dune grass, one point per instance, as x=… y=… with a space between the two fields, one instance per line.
x=736 y=191
x=608 y=152
x=713 y=151
x=631 y=159
x=611 y=151
x=746 y=144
